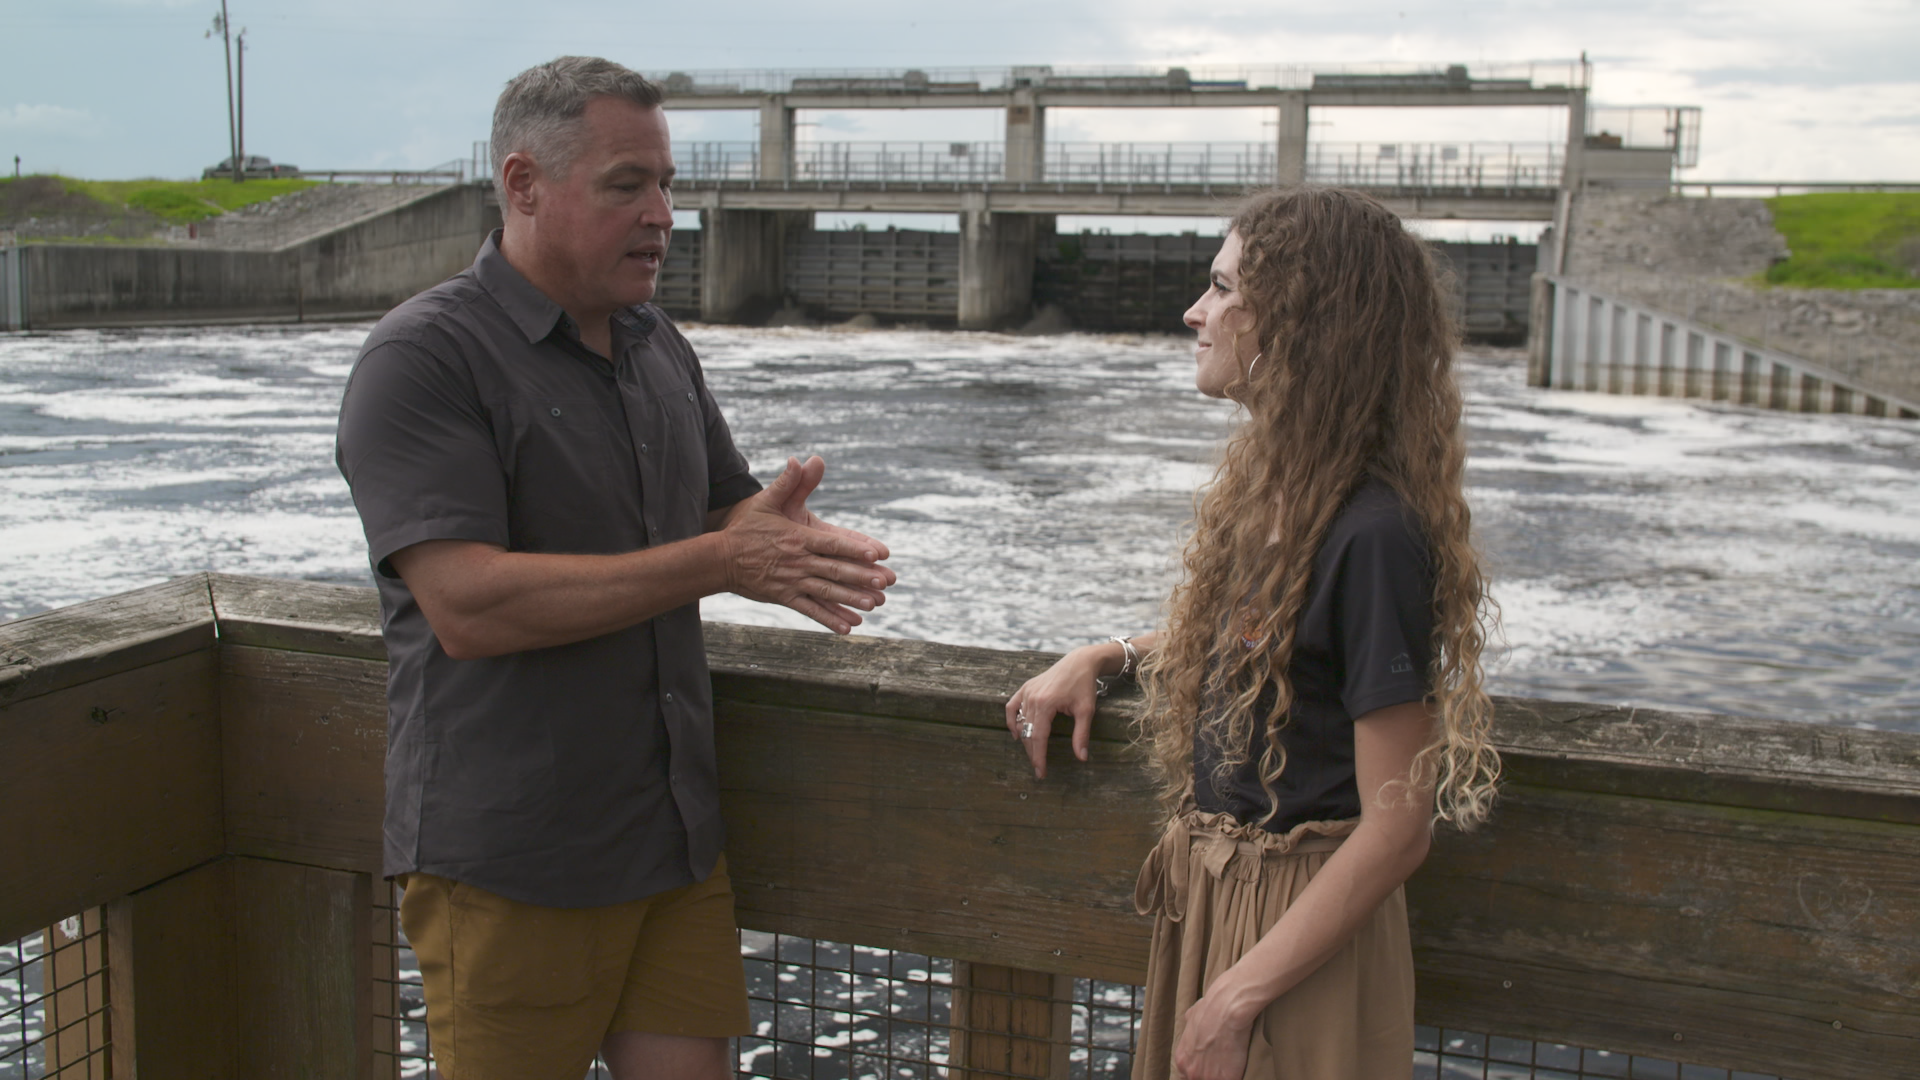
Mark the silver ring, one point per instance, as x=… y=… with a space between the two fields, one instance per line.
x=1026 y=730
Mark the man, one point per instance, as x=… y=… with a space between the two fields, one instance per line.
x=548 y=489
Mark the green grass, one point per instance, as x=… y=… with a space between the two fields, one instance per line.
x=1848 y=241
x=180 y=201
x=173 y=202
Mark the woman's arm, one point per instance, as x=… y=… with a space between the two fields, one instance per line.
x=1067 y=687
x=1384 y=850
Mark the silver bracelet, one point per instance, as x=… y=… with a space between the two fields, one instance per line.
x=1132 y=662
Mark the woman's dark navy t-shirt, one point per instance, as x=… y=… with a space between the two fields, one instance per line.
x=1365 y=642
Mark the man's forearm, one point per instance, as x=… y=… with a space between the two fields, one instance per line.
x=484 y=601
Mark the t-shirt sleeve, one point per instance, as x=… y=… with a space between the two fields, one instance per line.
x=1384 y=615
x=418 y=452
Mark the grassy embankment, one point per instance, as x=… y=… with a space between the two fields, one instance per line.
x=1848 y=241
x=113 y=211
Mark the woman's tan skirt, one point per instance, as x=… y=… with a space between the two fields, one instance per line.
x=1214 y=886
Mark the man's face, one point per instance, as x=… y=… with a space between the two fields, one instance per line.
x=604 y=227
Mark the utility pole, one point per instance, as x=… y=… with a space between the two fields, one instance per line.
x=240 y=100
x=221 y=26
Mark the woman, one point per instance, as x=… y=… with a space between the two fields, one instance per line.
x=1314 y=701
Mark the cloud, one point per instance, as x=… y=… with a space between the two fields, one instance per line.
x=49 y=120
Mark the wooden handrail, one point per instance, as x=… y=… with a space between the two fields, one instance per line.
x=1717 y=889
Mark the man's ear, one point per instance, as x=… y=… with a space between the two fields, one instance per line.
x=517 y=175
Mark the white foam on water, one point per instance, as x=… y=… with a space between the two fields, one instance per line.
x=1034 y=491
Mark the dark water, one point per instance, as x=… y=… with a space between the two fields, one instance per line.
x=1033 y=489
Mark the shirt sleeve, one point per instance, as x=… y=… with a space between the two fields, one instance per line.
x=1384 y=615
x=417 y=449
x=728 y=478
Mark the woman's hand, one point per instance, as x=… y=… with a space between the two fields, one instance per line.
x=1066 y=687
x=1213 y=1041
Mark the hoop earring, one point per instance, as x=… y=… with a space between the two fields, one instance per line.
x=1255 y=364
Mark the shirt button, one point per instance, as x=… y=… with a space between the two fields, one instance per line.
x=643 y=448
x=556 y=412
x=689 y=395
x=669 y=699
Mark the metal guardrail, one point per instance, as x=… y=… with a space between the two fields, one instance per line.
x=1647 y=127
x=457 y=171
x=1478 y=167
x=1529 y=167
x=1794 y=187
x=388 y=176
x=1540 y=74
x=1602 y=343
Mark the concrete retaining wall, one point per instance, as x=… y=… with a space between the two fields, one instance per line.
x=1696 y=258
x=362 y=268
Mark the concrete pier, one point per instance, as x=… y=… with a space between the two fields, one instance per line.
x=1290 y=139
x=742 y=261
x=776 y=138
x=996 y=267
x=1026 y=152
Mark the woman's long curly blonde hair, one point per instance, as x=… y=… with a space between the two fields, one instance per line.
x=1355 y=381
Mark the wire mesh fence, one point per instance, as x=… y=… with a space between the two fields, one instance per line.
x=54 y=1021
x=823 y=1010
x=820 y=1010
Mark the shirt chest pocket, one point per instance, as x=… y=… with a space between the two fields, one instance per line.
x=560 y=458
x=682 y=460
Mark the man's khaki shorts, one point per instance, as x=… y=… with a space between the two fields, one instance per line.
x=520 y=992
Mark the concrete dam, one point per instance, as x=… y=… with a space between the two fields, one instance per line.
x=757 y=251
x=1081 y=281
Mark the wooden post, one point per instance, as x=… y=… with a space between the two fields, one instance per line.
x=1010 y=1022
x=304 y=980
x=244 y=968
x=171 y=951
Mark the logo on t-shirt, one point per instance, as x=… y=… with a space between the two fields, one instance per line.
x=1401 y=665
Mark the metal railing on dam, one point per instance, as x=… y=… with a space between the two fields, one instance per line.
x=1200 y=79
x=1600 y=342
x=1480 y=168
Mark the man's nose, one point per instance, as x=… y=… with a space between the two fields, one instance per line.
x=658 y=211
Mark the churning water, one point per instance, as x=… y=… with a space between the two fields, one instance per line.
x=1033 y=490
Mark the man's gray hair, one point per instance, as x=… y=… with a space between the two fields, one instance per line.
x=539 y=112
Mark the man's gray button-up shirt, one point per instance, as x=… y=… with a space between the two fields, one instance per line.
x=572 y=776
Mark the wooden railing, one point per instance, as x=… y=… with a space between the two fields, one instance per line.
x=204 y=758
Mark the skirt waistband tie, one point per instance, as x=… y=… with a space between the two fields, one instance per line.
x=1224 y=847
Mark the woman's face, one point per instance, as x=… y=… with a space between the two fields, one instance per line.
x=1226 y=344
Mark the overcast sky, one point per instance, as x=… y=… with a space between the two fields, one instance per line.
x=1792 y=89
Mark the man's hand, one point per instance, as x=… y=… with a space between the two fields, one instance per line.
x=483 y=600
x=779 y=552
